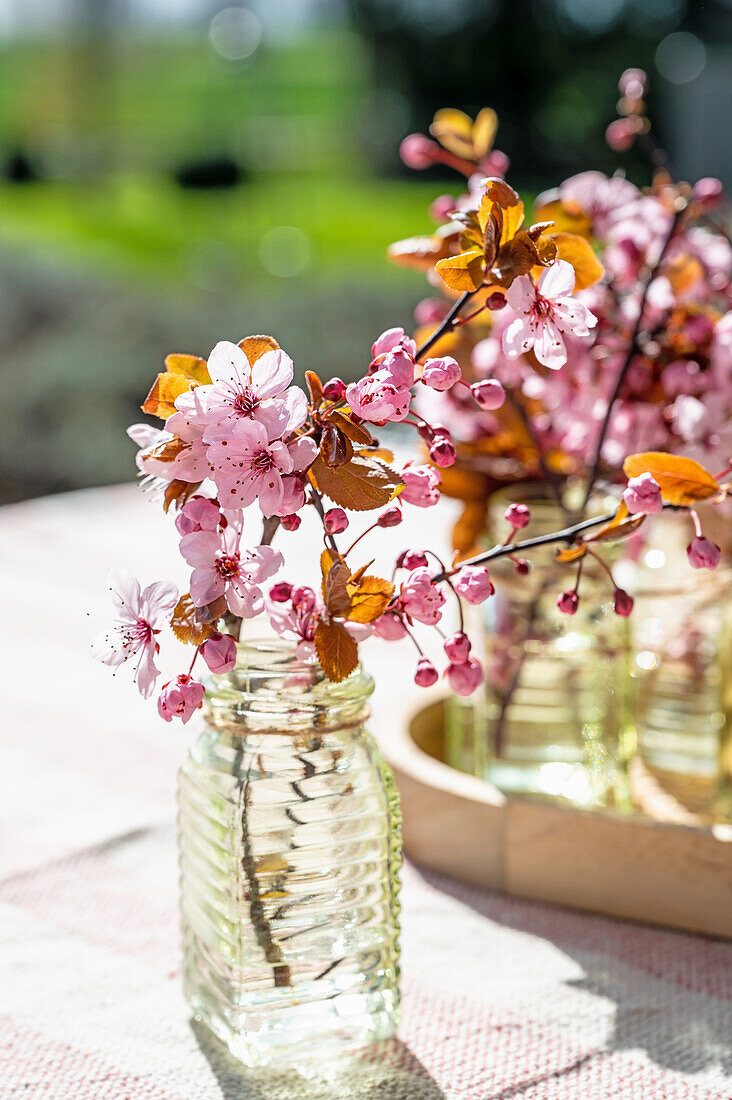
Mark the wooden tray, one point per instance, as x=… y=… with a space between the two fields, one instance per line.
x=664 y=866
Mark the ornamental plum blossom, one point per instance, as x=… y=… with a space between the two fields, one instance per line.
x=643 y=494
x=465 y=677
x=421 y=486
x=544 y=311
x=378 y=399
x=703 y=553
x=141 y=614
x=441 y=374
x=420 y=598
x=247 y=465
x=473 y=583
x=392 y=339
x=260 y=391
x=181 y=699
x=219 y=652
x=198 y=514
x=221 y=569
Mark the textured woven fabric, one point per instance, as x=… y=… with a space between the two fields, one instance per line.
x=503 y=999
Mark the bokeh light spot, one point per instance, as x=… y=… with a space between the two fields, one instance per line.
x=284 y=251
x=235 y=33
x=680 y=57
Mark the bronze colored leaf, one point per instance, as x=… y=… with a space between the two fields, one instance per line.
x=620 y=526
x=421 y=253
x=315 y=387
x=362 y=484
x=484 y=132
x=570 y=553
x=516 y=257
x=178 y=492
x=254 y=347
x=337 y=597
x=336 y=649
x=190 y=366
x=370 y=596
x=568 y=217
x=181 y=373
x=578 y=252
x=454 y=131
x=186 y=625
x=357 y=433
x=335 y=448
x=462 y=272
x=683 y=481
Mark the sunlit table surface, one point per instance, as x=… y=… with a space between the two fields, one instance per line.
x=502 y=998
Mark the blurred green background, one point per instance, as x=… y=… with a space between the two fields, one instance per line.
x=175 y=172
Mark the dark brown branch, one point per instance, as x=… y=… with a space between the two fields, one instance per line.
x=446 y=325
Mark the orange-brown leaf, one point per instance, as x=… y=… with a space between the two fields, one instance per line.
x=254 y=347
x=357 y=433
x=570 y=553
x=362 y=484
x=683 y=481
x=454 y=130
x=337 y=596
x=181 y=372
x=462 y=272
x=421 y=253
x=578 y=252
x=315 y=387
x=186 y=626
x=369 y=597
x=568 y=217
x=178 y=492
x=620 y=526
x=336 y=448
x=336 y=649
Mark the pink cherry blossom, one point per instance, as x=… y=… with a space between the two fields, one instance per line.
x=161 y=457
x=643 y=495
x=420 y=598
x=141 y=614
x=260 y=391
x=457 y=647
x=426 y=674
x=198 y=514
x=473 y=583
x=390 y=627
x=392 y=339
x=219 y=652
x=221 y=569
x=601 y=198
x=295 y=619
x=440 y=374
x=181 y=699
x=421 y=486
x=249 y=466
x=544 y=311
x=518 y=515
x=568 y=602
x=489 y=394
x=464 y=678
x=376 y=398
x=703 y=554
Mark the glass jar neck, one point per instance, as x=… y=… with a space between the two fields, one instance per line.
x=272 y=689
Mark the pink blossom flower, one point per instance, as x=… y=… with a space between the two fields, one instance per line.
x=220 y=569
x=518 y=515
x=703 y=554
x=488 y=394
x=335 y=521
x=178 y=451
x=466 y=677
x=568 y=602
x=140 y=616
x=421 y=486
x=392 y=339
x=643 y=495
x=440 y=374
x=473 y=583
x=260 y=391
x=293 y=493
x=420 y=598
x=544 y=311
x=443 y=451
x=219 y=652
x=295 y=619
x=249 y=466
x=457 y=647
x=601 y=198
x=180 y=699
x=198 y=514
x=426 y=674
x=390 y=627
x=378 y=399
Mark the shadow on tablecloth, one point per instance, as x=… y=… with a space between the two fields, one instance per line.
x=384 y=1071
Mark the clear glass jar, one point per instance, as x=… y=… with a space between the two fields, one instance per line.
x=552 y=718
x=682 y=667
x=290 y=850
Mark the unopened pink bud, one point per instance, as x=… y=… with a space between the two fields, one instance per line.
x=334 y=389
x=440 y=374
x=389 y=627
x=291 y=523
x=412 y=559
x=623 y=603
x=335 y=520
x=441 y=208
x=496 y=163
x=280 y=592
x=443 y=452
x=473 y=583
x=522 y=566
x=709 y=192
x=426 y=674
x=390 y=517
x=703 y=554
x=417 y=151
x=465 y=677
x=457 y=648
x=497 y=300
x=518 y=515
x=568 y=602
x=180 y=699
x=643 y=494
x=620 y=134
x=489 y=394
x=219 y=652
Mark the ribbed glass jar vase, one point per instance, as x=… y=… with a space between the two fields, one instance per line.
x=682 y=666
x=552 y=718
x=290 y=850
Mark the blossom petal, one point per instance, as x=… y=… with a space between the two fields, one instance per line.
x=521 y=295
x=147 y=672
x=557 y=279
x=157 y=603
x=125 y=591
x=206 y=586
x=549 y=346
x=262 y=563
x=244 y=600
x=199 y=548
x=228 y=363
x=517 y=338
x=270 y=493
x=573 y=316
x=272 y=373
x=302 y=452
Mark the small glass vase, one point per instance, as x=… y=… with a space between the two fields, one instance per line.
x=551 y=721
x=682 y=667
x=290 y=850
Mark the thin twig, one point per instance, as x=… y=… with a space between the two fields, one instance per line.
x=446 y=325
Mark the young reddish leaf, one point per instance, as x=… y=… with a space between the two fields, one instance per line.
x=454 y=131
x=315 y=388
x=181 y=372
x=683 y=481
x=357 y=433
x=167 y=451
x=336 y=649
x=421 y=253
x=186 y=627
x=190 y=366
x=578 y=252
x=463 y=272
x=370 y=597
x=360 y=485
x=254 y=347
x=337 y=597
x=335 y=448
x=484 y=132
x=212 y=612
x=568 y=217
x=570 y=553
x=361 y=572
x=620 y=526
x=178 y=492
